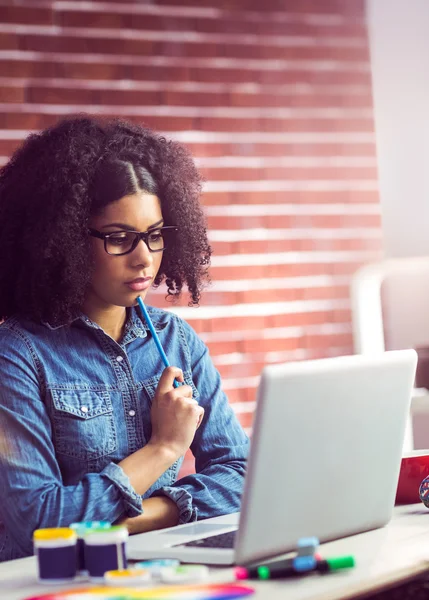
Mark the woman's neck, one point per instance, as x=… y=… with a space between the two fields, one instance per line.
x=112 y=319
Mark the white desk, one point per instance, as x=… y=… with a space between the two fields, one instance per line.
x=384 y=557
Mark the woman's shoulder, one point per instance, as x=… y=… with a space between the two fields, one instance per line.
x=161 y=319
x=17 y=325
x=17 y=332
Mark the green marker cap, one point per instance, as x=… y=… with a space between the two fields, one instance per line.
x=341 y=562
x=263 y=572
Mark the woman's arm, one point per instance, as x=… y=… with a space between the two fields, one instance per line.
x=158 y=513
x=31 y=488
x=220 y=447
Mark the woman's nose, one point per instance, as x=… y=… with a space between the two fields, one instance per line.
x=141 y=254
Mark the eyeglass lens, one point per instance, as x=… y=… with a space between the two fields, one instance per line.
x=123 y=241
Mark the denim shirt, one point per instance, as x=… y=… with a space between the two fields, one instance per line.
x=74 y=403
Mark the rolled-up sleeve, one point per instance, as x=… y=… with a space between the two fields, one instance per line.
x=220 y=446
x=32 y=491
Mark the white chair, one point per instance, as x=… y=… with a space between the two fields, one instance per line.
x=390 y=310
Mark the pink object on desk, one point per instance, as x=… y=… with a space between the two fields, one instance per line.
x=414 y=468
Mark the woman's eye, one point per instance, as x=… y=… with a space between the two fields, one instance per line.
x=118 y=240
x=156 y=236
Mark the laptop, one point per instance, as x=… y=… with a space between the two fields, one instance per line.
x=324 y=461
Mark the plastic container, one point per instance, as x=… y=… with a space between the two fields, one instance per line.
x=81 y=528
x=104 y=550
x=155 y=565
x=184 y=573
x=56 y=551
x=414 y=468
x=128 y=577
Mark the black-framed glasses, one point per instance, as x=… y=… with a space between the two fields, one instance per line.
x=118 y=243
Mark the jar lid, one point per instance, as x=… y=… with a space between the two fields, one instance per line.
x=83 y=527
x=132 y=577
x=54 y=533
x=108 y=535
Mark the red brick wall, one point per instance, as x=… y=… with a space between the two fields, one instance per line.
x=275 y=104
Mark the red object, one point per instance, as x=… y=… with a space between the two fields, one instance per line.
x=241 y=573
x=414 y=468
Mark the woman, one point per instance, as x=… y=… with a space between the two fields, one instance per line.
x=93 y=213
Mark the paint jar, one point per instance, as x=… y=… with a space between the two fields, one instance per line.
x=56 y=552
x=104 y=550
x=128 y=577
x=81 y=529
x=155 y=565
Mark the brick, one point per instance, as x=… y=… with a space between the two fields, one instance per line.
x=295 y=76
x=228 y=124
x=82 y=44
x=9 y=93
x=62 y=95
x=236 y=395
x=7 y=147
x=18 y=120
x=158 y=73
x=316 y=124
x=227 y=22
x=270 y=345
x=314 y=100
x=104 y=70
x=289 y=221
x=237 y=323
x=247 y=369
x=28 y=15
x=57 y=95
x=26 y=68
x=9 y=41
x=339 y=292
x=225 y=347
x=96 y=19
x=327 y=341
x=290 y=197
x=174 y=98
x=280 y=149
x=145 y=47
x=270 y=295
x=289 y=173
x=290 y=52
x=353 y=9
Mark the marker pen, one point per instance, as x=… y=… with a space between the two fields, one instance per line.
x=282 y=569
x=335 y=564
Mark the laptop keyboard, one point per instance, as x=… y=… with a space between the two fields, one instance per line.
x=223 y=540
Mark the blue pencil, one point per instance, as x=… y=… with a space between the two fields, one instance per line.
x=155 y=336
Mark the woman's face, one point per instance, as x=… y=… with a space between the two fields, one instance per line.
x=118 y=280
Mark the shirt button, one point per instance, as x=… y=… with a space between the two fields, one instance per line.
x=132 y=413
x=84 y=409
x=119 y=358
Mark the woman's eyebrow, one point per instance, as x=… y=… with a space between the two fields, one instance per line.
x=129 y=227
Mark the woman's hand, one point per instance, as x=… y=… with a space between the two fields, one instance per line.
x=175 y=414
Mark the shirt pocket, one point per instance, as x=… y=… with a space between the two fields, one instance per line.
x=149 y=386
x=83 y=422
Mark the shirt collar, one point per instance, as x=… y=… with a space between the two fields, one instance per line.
x=135 y=323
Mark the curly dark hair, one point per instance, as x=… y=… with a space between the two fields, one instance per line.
x=61 y=176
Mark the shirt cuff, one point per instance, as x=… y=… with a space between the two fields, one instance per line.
x=131 y=500
x=183 y=501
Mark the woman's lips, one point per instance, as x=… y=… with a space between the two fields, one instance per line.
x=137 y=285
